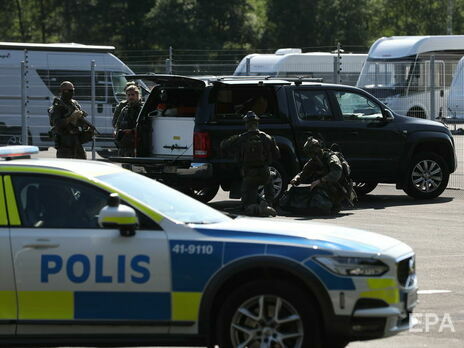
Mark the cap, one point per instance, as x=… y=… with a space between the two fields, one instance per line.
x=312 y=144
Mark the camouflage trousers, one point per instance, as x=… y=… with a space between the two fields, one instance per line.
x=76 y=151
x=251 y=184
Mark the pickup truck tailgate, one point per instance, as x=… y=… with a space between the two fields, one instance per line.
x=172 y=135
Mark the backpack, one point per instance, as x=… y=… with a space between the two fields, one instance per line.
x=253 y=151
x=345 y=182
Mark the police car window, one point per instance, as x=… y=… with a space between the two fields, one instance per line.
x=312 y=105
x=163 y=199
x=53 y=202
x=356 y=107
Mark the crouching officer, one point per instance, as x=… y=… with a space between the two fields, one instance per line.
x=255 y=151
x=65 y=114
x=324 y=172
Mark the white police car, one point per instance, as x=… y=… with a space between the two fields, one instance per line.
x=187 y=274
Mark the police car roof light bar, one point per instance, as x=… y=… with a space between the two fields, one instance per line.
x=18 y=151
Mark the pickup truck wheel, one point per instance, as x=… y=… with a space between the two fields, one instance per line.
x=363 y=188
x=204 y=194
x=428 y=176
x=266 y=313
x=279 y=181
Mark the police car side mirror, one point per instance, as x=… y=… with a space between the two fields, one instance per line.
x=116 y=215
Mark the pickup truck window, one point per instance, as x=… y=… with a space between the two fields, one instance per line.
x=232 y=102
x=312 y=105
x=357 y=107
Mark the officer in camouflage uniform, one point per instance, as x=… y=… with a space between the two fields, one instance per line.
x=121 y=105
x=125 y=125
x=323 y=172
x=65 y=114
x=255 y=150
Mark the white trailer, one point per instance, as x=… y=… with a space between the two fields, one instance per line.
x=413 y=74
x=47 y=65
x=291 y=62
x=456 y=94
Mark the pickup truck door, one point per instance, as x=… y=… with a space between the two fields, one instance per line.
x=313 y=114
x=371 y=143
x=8 y=305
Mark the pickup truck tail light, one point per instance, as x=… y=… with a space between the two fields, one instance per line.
x=201 y=145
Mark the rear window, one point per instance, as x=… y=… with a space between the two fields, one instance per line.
x=232 y=102
x=173 y=102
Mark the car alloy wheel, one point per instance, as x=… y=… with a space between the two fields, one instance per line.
x=266 y=321
x=427 y=176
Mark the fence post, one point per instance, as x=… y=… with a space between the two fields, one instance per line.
x=432 y=88
x=169 y=62
x=92 y=79
x=23 y=105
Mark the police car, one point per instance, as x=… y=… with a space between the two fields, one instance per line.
x=93 y=253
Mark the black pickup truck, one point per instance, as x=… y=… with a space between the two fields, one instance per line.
x=185 y=119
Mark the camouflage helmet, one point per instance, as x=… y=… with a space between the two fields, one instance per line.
x=250 y=116
x=312 y=146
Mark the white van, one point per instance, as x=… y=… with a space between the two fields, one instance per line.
x=291 y=62
x=47 y=66
x=398 y=71
x=456 y=94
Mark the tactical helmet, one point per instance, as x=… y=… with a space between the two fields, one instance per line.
x=66 y=85
x=250 y=116
x=312 y=146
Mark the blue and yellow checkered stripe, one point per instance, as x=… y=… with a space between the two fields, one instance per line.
x=101 y=305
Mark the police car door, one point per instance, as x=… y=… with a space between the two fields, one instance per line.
x=8 y=308
x=72 y=273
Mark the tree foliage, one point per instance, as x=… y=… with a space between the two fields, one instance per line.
x=216 y=24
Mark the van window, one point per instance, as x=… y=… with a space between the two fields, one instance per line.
x=232 y=102
x=81 y=80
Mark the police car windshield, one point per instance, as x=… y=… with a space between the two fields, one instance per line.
x=163 y=199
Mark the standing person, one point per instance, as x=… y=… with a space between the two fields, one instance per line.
x=125 y=125
x=121 y=105
x=65 y=114
x=255 y=150
x=326 y=172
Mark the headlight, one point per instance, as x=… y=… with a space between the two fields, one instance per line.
x=353 y=266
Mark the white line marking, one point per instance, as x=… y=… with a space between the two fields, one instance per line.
x=429 y=292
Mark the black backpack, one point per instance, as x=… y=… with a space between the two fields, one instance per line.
x=253 y=151
x=345 y=182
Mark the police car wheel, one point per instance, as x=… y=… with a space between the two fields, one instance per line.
x=428 y=176
x=266 y=313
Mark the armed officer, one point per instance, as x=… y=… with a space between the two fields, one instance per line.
x=121 y=105
x=325 y=174
x=255 y=151
x=125 y=125
x=65 y=116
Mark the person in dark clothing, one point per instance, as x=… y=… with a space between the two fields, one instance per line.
x=65 y=115
x=324 y=172
x=126 y=122
x=255 y=150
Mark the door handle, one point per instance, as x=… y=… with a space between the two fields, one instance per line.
x=40 y=246
x=354 y=133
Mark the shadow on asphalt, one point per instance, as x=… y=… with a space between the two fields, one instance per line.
x=234 y=207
